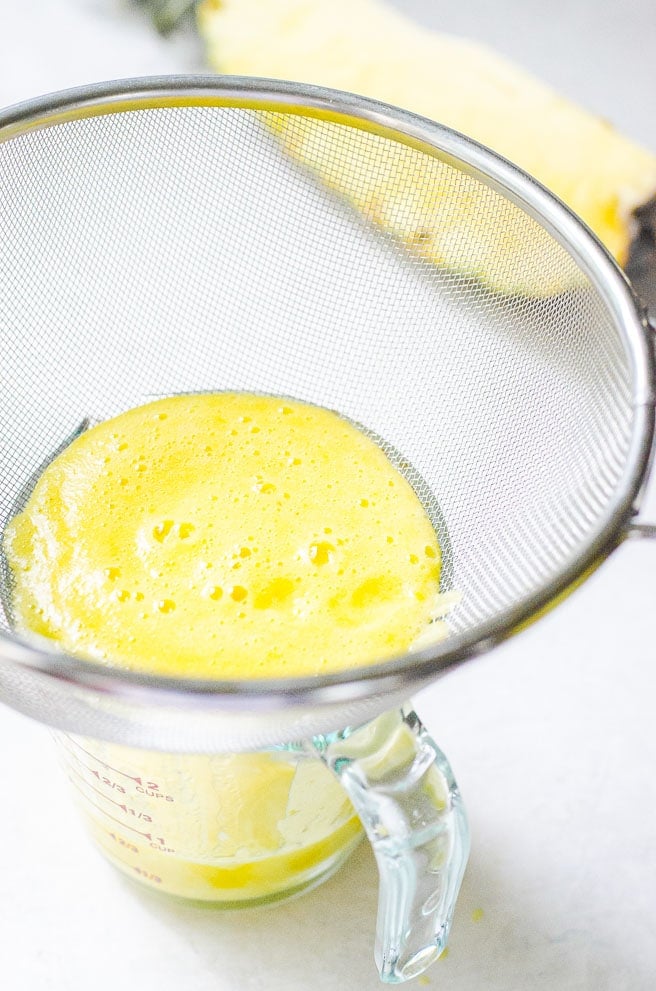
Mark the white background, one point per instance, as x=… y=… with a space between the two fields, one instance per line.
x=552 y=736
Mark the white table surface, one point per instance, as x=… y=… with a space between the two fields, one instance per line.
x=552 y=736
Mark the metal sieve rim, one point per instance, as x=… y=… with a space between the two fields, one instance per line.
x=409 y=671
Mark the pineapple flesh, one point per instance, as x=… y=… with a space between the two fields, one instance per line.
x=366 y=47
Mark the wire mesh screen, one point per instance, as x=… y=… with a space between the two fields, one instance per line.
x=205 y=248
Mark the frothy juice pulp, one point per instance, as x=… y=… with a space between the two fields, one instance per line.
x=225 y=536
x=222 y=535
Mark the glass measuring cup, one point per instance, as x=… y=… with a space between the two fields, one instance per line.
x=247 y=828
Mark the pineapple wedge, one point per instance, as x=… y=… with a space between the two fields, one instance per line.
x=366 y=47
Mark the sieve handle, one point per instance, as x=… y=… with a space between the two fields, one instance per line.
x=403 y=790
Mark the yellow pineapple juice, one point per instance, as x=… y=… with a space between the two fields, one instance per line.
x=222 y=535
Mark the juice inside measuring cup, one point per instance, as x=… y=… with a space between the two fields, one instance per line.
x=222 y=535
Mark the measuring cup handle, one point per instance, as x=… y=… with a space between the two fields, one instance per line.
x=403 y=790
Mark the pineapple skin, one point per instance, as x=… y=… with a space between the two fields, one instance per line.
x=366 y=47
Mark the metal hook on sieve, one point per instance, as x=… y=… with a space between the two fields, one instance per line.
x=644 y=530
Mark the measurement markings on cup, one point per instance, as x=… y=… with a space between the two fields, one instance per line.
x=110 y=767
x=121 y=805
x=99 y=808
x=131 y=848
x=144 y=787
x=124 y=843
x=158 y=843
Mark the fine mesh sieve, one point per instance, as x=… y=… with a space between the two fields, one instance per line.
x=184 y=234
